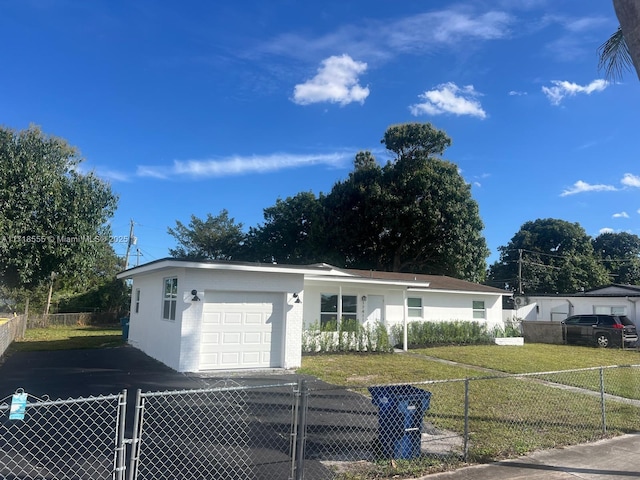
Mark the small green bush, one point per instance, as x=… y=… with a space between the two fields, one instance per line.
x=455 y=332
x=348 y=336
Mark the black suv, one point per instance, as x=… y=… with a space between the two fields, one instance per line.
x=603 y=330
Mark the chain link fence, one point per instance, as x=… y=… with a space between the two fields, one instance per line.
x=312 y=430
x=79 y=439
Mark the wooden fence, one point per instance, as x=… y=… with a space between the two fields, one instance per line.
x=10 y=329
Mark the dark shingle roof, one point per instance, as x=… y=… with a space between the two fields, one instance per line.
x=436 y=282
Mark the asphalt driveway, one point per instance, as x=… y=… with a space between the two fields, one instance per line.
x=333 y=412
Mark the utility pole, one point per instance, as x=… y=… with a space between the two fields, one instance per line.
x=520 y=271
x=132 y=241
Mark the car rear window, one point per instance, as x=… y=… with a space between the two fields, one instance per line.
x=625 y=320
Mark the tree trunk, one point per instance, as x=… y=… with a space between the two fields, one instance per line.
x=628 y=13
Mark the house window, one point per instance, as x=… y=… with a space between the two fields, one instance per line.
x=137 y=298
x=331 y=311
x=414 y=307
x=478 y=309
x=602 y=310
x=170 y=298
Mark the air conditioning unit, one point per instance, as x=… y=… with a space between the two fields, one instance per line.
x=520 y=301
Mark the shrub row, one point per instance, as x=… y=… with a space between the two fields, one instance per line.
x=346 y=337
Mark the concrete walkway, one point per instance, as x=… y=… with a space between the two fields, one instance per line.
x=614 y=459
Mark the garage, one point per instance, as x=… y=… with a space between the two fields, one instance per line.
x=241 y=330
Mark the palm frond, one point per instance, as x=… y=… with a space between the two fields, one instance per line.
x=614 y=56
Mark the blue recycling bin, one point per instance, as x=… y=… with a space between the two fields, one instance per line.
x=401 y=409
x=124 y=322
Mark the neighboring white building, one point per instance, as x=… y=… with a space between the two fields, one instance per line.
x=613 y=299
x=213 y=315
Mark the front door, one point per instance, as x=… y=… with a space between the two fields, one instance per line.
x=375 y=309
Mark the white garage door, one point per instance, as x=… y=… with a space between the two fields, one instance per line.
x=241 y=330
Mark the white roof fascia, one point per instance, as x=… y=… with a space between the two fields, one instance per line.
x=167 y=264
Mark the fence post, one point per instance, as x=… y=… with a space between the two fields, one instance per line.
x=465 y=448
x=602 y=406
x=137 y=433
x=120 y=446
x=300 y=436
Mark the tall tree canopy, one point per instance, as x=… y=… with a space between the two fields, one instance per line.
x=293 y=232
x=414 y=214
x=215 y=238
x=553 y=256
x=619 y=253
x=52 y=216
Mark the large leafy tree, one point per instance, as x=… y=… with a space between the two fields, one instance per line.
x=548 y=256
x=620 y=255
x=214 y=238
x=293 y=232
x=414 y=214
x=52 y=216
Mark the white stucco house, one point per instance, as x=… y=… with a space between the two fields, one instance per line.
x=614 y=299
x=213 y=315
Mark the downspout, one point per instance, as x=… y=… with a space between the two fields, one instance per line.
x=405 y=340
x=570 y=308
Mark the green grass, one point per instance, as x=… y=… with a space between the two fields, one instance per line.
x=66 y=338
x=534 y=357
x=508 y=416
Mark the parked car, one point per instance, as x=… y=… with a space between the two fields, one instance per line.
x=601 y=330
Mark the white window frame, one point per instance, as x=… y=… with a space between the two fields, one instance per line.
x=609 y=309
x=414 y=311
x=479 y=309
x=137 y=301
x=339 y=314
x=169 y=298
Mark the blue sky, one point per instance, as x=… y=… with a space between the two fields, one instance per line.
x=194 y=107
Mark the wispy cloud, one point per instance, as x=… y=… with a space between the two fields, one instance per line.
x=563 y=88
x=336 y=82
x=621 y=215
x=606 y=230
x=517 y=93
x=238 y=165
x=377 y=39
x=581 y=187
x=449 y=98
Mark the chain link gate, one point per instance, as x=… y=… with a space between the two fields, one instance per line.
x=231 y=432
x=79 y=439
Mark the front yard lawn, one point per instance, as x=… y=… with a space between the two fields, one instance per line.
x=66 y=338
x=508 y=416
x=534 y=357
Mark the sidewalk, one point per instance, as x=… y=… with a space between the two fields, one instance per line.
x=614 y=459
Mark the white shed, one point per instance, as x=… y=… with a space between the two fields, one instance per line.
x=214 y=315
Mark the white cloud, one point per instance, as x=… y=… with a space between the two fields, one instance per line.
x=517 y=93
x=335 y=82
x=237 y=165
x=449 y=98
x=580 y=187
x=630 y=180
x=563 y=88
x=621 y=215
x=606 y=230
